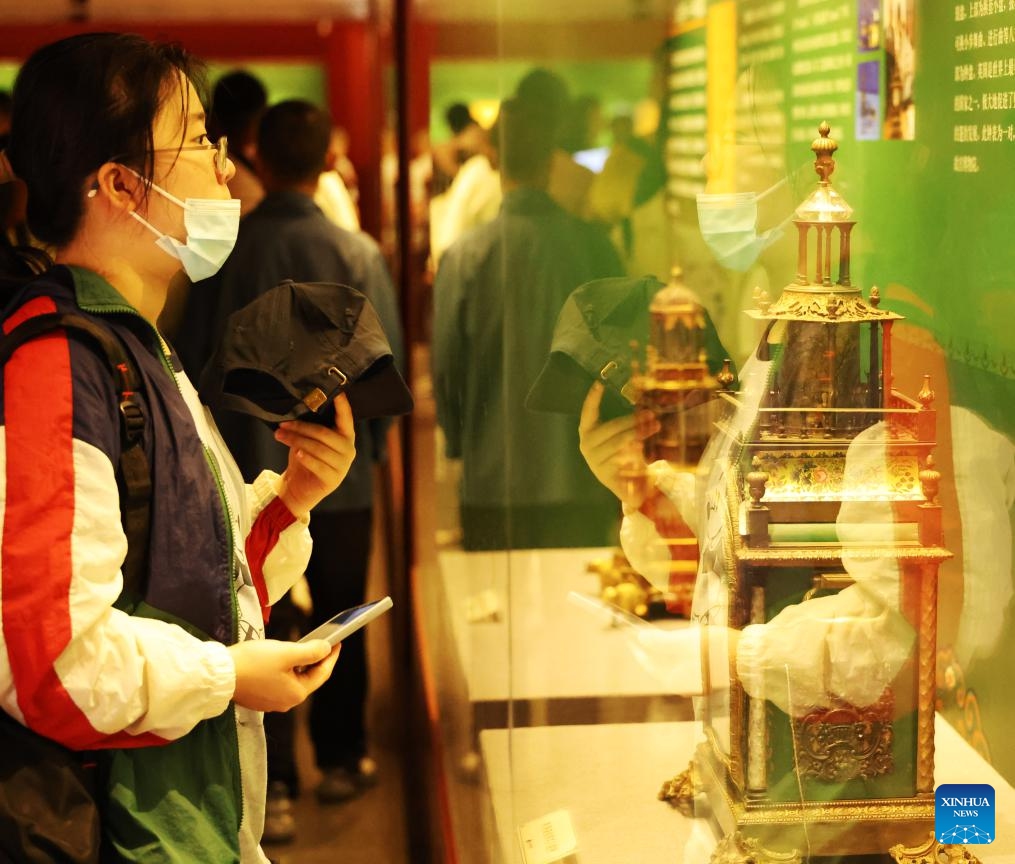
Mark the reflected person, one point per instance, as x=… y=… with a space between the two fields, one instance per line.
x=497 y=295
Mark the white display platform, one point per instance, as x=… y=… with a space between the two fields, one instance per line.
x=532 y=643
x=608 y=776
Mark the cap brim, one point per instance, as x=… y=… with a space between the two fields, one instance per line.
x=561 y=388
x=380 y=392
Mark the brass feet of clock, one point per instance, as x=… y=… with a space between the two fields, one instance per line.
x=679 y=791
x=933 y=852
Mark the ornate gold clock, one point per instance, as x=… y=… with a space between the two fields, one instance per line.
x=817 y=586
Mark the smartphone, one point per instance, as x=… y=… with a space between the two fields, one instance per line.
x=334 y=630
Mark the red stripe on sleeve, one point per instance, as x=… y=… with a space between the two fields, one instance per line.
x=270 y=522
x=38 y=523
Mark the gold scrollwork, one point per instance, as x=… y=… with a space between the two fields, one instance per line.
x=933 y=852
x=845 y=742
x=952 y=690
x=679 y=791
x=801 y=305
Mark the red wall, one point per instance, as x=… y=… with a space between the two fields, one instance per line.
x=353 y=54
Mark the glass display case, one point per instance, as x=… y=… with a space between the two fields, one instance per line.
x=713 y=457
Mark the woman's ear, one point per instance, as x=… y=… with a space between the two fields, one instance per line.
x=120 y=187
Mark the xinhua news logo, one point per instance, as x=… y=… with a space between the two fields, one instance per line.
x=964 y=813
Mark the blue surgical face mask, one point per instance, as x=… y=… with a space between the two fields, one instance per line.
x=729 y=224
x=211 y=225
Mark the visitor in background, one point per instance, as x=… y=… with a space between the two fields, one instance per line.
x=238 y=101
x=496 y=298
x=287 y=236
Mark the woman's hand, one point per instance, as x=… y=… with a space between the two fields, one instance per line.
x=614 y=444
x=319 y=458
x=276 y=676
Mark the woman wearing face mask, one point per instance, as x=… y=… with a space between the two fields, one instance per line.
x=124 y=186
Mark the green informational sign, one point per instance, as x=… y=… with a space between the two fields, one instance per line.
x=920 y=96
x=686 y=115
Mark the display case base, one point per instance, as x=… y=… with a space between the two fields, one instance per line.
x=824 y=828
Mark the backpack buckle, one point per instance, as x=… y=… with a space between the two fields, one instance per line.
x=131 y=419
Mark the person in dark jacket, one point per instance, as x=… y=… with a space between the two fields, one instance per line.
x=287 y=236
x=497 y=295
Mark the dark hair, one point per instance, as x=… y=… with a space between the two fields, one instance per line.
x=293 y=140
x=18 y=262
x=545 y=89
x=545 y=92
x=236 y=105
x=524 y=141
x=458 y=117
x=6 y=189
x=79 y=103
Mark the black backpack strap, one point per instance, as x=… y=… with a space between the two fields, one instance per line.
x=134 y=476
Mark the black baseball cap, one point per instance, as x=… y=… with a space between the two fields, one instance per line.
x=592 y=341
x=287 y=354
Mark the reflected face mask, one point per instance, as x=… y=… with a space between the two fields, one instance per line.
x=211 y=225
x=729 y=225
